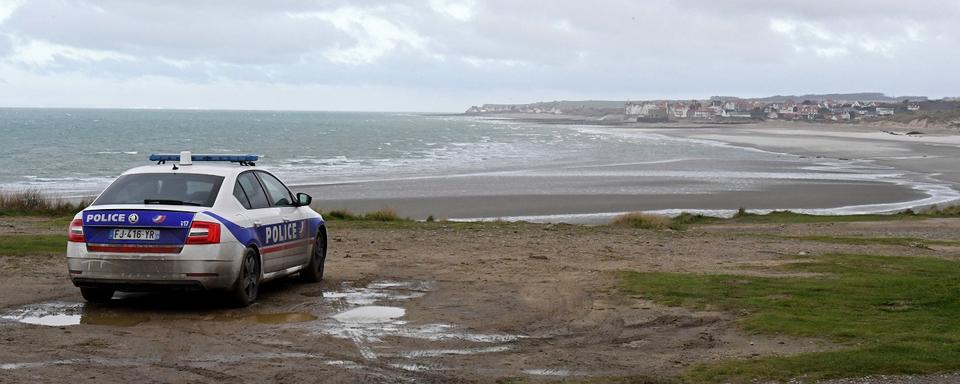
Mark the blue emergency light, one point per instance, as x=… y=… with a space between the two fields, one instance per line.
x=182 y=158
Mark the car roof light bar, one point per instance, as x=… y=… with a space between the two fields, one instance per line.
x=242 y=159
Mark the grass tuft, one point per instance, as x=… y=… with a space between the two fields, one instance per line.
x=383 y=214
x=642 y=220
x=893 y=315
x=686 y=218
x=33 y=202
x=340 y=214
x=948 y=211
x=742 y=212
x=650 y=221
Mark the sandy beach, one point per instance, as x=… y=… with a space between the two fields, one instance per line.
x=594 y=193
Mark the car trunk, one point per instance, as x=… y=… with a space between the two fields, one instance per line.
x=136 y=230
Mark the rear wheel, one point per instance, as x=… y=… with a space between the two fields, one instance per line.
x=313 y=272
x=96 y=295
x=247 y=287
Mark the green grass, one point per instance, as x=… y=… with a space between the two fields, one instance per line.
x=686 y=219
x=854 y=240
x=787 y=217
x=596 y=380
x=891 y=315
x=23 y=245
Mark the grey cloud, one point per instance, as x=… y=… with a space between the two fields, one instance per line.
x=668 y=47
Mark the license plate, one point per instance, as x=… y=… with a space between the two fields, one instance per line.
x=136 y=234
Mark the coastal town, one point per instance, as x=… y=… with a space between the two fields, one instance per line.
x=718 y=109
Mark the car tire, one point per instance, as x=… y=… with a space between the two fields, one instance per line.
x=247 y=286
x=97 y=295
x=313 y=272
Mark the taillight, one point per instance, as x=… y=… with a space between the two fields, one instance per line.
x=204 y=232
x=75 y=231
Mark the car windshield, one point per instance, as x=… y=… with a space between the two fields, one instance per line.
x=162 y=188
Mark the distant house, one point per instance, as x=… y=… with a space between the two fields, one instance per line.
x=735 y=114
x=703 y=113
x=884 y=111
x=646 y=111
x=913 y=107
x=743 y=105
x=788 y=115
x=680 y=111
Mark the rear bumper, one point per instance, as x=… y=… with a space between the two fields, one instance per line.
x=196 y=267
x=140 y=285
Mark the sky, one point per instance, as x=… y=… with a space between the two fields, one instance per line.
x=446 y=55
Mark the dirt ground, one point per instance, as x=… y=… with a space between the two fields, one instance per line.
x=422 y=303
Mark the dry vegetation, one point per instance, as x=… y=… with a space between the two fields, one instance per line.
x=34 y=202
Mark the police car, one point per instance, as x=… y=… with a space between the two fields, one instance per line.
x=195 y=224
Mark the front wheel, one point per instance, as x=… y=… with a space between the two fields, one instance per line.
x=313 y=272
x=247 y=286
x=96 y=295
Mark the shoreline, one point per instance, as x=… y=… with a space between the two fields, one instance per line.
x=873 y=125
x=911 y=155
x=875 y=172
x=837 y=197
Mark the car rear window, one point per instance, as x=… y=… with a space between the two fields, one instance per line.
x=162 y=188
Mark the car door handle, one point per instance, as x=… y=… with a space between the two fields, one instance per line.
x=257 y=223
x=286 y=219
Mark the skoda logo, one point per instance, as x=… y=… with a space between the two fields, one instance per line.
x=133 y=218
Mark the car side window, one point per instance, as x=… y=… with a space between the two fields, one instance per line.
x=279 y=194
x=253 y=190
x=241 y=195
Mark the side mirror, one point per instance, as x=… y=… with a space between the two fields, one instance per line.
x=303 y=199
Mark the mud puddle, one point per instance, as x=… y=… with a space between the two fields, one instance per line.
x=554 y=372
x=372 y=316
x=62 y=314
x=202 y=361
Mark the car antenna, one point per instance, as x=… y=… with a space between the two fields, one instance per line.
x=175 y=166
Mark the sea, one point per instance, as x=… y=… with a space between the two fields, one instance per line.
x=78 y=152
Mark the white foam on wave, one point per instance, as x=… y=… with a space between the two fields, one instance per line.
x=60 y=187
x=649 y=135
x=443 y=159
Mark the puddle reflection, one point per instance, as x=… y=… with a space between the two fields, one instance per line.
x=61 y=314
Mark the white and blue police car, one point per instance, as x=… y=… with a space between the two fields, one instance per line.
x=195 y=224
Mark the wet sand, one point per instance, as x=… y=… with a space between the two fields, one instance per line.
x=935 y=153
x=594 y=209
x=594 y=193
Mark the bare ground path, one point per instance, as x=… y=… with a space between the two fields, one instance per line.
x=425 y=302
